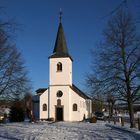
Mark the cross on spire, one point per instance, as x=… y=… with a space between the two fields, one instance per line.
x=60 y=15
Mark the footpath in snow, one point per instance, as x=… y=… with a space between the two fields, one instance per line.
x=64 y=131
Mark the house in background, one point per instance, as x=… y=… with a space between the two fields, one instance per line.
x=4 y=109
x=62 y=100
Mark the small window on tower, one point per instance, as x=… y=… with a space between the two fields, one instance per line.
x=59 y=66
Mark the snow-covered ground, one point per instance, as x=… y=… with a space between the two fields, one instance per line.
x=64 y=131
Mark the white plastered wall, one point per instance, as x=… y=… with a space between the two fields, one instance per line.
x=65 y=76
x=44 y=100
x=64 y=101
x=81 y=104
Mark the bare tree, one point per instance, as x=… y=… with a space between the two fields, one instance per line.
x=13 y=77
x=118 y=66
x=127 y=4
x=122 y=4
x=28 y=104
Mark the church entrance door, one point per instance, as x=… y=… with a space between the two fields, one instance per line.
x=59 y=113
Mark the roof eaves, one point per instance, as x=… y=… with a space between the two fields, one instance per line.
x=41 y=90
x=79 y=92
x=55 y=55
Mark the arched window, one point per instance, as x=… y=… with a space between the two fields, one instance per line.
x=44 y=107
x=59 y=66
x=59 y=102
x=59 y=93
x=74 y=107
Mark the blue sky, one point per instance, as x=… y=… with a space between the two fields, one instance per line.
x=83 y=22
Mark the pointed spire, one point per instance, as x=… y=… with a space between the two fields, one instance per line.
x=60 y=43
x=60 y=48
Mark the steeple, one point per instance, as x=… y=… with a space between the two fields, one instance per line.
x=60 y=48
x=60 y=43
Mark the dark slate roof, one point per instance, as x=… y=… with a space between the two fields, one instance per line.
x=60 y=48
x=41 y=90
x=79 y=92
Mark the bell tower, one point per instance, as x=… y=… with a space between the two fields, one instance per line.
x=60 y=62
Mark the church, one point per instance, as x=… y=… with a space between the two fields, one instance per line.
x=62 y=100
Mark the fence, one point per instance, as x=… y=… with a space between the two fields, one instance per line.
x=124 y=121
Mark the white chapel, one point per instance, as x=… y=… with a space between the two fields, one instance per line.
x=62 y=100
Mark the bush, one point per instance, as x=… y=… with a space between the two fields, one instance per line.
x=50 y=119
x=16 y=114
x=93 y=119
x=1 y=121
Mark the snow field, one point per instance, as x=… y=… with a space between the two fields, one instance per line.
x=63 y=131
